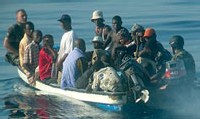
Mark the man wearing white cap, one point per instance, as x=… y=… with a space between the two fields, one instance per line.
x=97 y=18
x=99 y=53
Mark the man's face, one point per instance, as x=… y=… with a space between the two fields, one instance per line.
x=38 y=38
x=97 y=22
x=48 y=42
x=21 y=17
x=96 y=45
x=29 y=30
x=116 y=25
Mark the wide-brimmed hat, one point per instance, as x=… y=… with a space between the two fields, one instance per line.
x=65 y=18
x=149 y=32
x=97 y=39
x=97 y=14
x=137 y=27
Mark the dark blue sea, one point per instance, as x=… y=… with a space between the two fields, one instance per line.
x=167 y=17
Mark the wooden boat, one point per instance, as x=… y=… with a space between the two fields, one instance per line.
x=111 y=101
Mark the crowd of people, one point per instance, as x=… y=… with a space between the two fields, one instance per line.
x=113 y=48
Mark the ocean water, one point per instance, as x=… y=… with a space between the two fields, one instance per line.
x=17 y=100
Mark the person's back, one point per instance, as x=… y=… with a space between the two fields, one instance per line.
x=13 y=37
x=74 y=65
x=177 y=43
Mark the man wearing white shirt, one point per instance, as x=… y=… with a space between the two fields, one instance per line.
x=66 y=44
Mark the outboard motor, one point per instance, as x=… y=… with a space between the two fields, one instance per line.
x=134 y=77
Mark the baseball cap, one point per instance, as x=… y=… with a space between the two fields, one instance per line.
x=149 y=32
x=65 y=18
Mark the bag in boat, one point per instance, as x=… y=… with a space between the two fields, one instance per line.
x=107 y=79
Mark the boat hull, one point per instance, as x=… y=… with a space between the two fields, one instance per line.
x=112 y=101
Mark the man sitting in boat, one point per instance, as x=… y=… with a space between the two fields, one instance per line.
x=180 y=54
x=74 y=65
x=137 y=32
x=135 y=79
x=158 y=54
x=27 y=39
x=31 y=56
x=124 y=40
x=113 y=38
x=106 y=31
x=97 y=18
x=13 y=37
x=47 y=58
x=99 y=53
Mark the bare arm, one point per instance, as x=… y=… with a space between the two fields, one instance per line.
x=9 y=47
x=53 y=53
x=60 y=62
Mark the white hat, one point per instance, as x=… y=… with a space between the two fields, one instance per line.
x=97 y=39
x=97 y=14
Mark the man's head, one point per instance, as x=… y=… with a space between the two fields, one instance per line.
x=29 y=28
x=65 y=21
x=137 y=31
x=116 y=22
x=150 y=34
x=97 y=17
x=176 y=42
x=48 y=40
x=124 y=36
x=37 y=36
x=21 y=16
x=80 y=43
x=97 y=42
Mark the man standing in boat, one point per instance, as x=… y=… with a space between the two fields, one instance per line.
x=13 y=37
x=66 y=44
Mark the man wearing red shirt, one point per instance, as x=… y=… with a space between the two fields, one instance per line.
x=46 y=58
